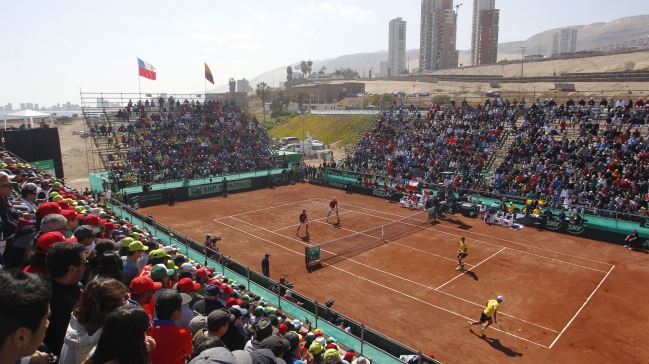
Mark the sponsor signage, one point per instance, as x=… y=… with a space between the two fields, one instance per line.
x=552 y=224
x=210 y=189
x=280 y=179
x=380 y=193
x=575 y=229
x=46 y=166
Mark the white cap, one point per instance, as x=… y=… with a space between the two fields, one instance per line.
x=186 y=267
x=169 y=249
x=501 y=298
x=288 y=293
x=297 y=323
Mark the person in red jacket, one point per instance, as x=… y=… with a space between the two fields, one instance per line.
x=173 y=342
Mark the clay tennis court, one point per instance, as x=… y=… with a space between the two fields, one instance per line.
x=568 y=299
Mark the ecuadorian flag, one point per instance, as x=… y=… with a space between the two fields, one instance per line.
x=208 y=74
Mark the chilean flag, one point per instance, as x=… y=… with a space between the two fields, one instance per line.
x=146 y=69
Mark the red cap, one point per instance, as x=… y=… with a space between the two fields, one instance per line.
x=63 y=203
x=91 y=220
x=109 y=226
x=282 y=329
x=201 y=272
x=226 y=289
x=349 y=356
x=48 y=208
x=70 y=215
x=186 y=284
x=232 y=301
x=80 y=216
x=332 y=346
x=140 y=285
x=24 y=222
x=215 y=282
x=102 y=222
x=46 y=240
x=317 y=333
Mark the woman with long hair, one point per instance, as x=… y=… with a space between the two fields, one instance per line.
x=123 y=339
x=109 y=265
x=98 y=300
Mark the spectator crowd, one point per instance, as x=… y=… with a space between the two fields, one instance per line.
x=446 y=141
x=82 y=285
x=584 y=156
x=191 y=140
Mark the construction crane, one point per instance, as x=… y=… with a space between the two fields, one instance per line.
x=457 y=10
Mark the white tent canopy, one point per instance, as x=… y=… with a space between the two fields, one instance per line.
x=27 y=115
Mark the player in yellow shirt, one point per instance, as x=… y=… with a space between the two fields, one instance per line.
x=487 y=313
x=461 y=254
x=511 y=208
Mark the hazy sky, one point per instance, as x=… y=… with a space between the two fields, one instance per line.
x=51 y=48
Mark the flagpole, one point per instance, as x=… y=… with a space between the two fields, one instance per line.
x=139 y=86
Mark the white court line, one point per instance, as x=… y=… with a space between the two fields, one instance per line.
x=316 y=220
x=380 y=285
x=475 y=266
x=266 y=208
x=394 y=275
x=472 y=232
x=496 y=245
x=446 y=293
x=406 y=246
x=581 y=308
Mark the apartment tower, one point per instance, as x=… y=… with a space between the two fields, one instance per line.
x=563 y=41
x=484 y=32
x=437 y=42
x=397 y=47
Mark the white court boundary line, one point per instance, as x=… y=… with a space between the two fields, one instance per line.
x=315 y=220
x=496 y=245
x=437 y=289
x=266 y=208
x=376 y=283
x=475 y=266
x=397 y=276
x=472 y=232
x=581 y=308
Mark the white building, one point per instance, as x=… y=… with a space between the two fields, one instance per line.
x=563 y=41
x=397 y=47
x=437 y=35
x=383 y=69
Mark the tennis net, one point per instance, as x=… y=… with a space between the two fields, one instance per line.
x=362 y=241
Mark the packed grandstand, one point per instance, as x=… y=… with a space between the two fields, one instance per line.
x=587 y=156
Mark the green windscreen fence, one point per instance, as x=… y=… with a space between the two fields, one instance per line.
x=363 y=340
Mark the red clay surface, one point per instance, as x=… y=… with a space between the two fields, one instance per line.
x=574 y=300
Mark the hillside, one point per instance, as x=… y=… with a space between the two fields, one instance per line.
x=358 y=62
x=588 y=36
x=341 y=129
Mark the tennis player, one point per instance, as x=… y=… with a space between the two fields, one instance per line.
x=333 y=206
x=487 y=313
x=303 y=222
x=461 y=254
